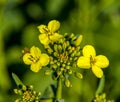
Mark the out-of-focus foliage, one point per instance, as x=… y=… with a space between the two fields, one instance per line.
x=97 y=20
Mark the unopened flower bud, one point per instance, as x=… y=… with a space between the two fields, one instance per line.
x=78 y=48
x=59 y=72
x=78 y=40
x=67 y=83
x=55 y=47
x=55 y=54
x=78 y=75
x=20 y=92
x=72 y=35
x=24 y=87
x=54 y=66
x=78 y=53
x=64 y=45
x=15 y=91
x=60 y=48
x=69 y=71
x=47 y=72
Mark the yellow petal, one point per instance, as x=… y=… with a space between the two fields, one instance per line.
x=97 y=71
x=53 y=25
x=43 y=29
x=35 y=67
x=35 y=51
x=101 y=61
x=26 y=59
x=83 y=62
x=88 y=51
x=44 y=59
x=44 y=39
x=55 y=37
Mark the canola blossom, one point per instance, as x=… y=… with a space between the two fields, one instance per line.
x=90 y=60
x=48 y=33
x=36 y=59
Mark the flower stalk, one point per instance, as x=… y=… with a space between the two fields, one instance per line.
x=59 y=89
x=101 y=86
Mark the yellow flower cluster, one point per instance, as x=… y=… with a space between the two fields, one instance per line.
x=64 y=52
x=27 y=94
x=102 y=98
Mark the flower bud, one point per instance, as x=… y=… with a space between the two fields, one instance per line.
x=64 y=45
x=78 y=48
x=78 y=40
x=69 y=71
x=60 y=48
x=15 y=91
x=78 y=53
x=54 y=66
x=47 y=72
x=78 y=75
x=55 y=54
x=67 y=83
x=55 y=47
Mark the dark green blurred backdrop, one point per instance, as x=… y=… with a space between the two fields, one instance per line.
x=97 y=20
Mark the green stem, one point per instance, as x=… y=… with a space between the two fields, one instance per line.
x=59 y=89
x=101 y=85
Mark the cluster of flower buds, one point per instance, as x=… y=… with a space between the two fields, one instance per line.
x=64 y=54
x=102 y=98
x=27 y=94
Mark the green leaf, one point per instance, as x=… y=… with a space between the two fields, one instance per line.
x=16 y=79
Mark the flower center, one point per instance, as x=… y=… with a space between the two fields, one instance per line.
x=92 y=61
x=34 y=59
x=63 y=57
x=48 y=32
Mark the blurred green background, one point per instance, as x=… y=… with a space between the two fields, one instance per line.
x=97 y=20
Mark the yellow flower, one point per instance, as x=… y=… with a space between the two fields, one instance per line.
x=36 y=59
x=90 y=60
x=48 y=33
